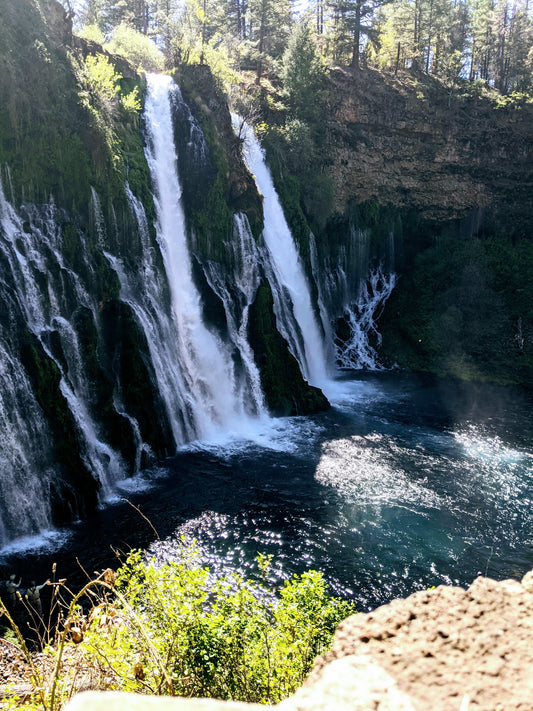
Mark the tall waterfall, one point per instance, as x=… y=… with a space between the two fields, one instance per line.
x=285 y=271
x=211 y=386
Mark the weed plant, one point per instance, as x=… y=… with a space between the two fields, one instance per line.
x=177 y=629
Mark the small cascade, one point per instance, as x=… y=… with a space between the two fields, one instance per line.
x=24 y=446
x=285 y=271
x=351 y=288
x=211 y=385
x=236 y=287
x=358 y=352
x=339 y=272
x=96 y=211
x=325 y=317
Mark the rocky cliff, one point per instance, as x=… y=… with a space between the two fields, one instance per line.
x=433 y=182
x=448 y=152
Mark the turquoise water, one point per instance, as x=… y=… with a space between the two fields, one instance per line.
x=405 y=483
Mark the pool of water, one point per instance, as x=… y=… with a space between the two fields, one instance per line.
x=405 y=483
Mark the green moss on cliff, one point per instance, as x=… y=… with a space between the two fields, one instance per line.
x=54 y=142
x=217 y=194
x=463 y=308
x=285 y=390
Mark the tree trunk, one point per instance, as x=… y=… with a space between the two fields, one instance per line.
x=260 y=47
x=471 y=75
x=356 y=37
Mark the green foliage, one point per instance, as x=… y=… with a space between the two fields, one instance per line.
x=101 y=84
x=482 y=39
x=179 y=629
x=290 y=147
x=137 y=48
x=93 y=33
x=515 y=100
x=114 y=107
x=99 y=79
x=466 y=311
x=303 y=72
x=224 y=637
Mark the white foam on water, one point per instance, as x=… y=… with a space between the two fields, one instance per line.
x=282 y=434
x=43 y=542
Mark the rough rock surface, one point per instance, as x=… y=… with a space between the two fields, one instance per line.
x=408 y=141
x=446 y=649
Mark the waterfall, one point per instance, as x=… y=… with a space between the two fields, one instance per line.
x=358 y=352
x=145 y=290
x=25 y=445
x=236 y=286
x=212 y=386
x=41 y=296
x=292 y=297
x=346 y=285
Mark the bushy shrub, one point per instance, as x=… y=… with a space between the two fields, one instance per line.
x=137 y=48
x=179 y=629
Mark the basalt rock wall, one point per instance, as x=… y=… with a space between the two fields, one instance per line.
x=447 y=151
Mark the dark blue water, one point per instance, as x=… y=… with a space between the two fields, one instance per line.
x=406 y=483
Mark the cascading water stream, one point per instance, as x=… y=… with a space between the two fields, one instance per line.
x=41 y=292
x=335 y=285
x=358 y=352
x=24 y=443
x=287 y=276
x=236 y=288
x=145 y=290
x=211 y=384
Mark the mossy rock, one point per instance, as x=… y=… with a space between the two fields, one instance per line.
x=286 y=392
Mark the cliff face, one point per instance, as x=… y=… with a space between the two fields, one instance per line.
x=448 y=153
x=435 y=184
x=91 y=391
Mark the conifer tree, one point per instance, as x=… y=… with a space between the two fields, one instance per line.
x=302 y=72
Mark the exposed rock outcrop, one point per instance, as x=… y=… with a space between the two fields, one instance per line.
x=410 y=141
x=443 y=649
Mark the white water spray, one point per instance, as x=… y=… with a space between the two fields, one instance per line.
x=358 y=352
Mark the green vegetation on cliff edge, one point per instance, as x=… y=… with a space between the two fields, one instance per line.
x=180 y=629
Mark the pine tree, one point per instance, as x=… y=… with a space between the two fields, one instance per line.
x=302 y=72
x=269 y=30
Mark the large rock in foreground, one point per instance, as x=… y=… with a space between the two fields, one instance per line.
x=443 y=649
